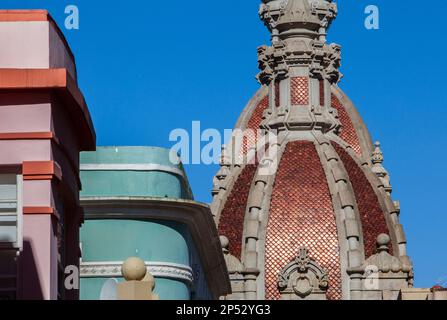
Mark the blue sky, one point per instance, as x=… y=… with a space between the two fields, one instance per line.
x=147 y=67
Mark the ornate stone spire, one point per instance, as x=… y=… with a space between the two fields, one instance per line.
x=312 y=17
x=299 y=67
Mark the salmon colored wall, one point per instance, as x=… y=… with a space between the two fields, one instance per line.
x=44 y=124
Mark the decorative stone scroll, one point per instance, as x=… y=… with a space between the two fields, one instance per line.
x=303 y=278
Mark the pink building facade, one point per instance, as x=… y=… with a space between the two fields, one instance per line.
x=44 y=124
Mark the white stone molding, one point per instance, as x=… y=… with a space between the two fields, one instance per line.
x=131 y=167
x=112 y=269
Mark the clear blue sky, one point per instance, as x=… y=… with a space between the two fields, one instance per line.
x=147 y=67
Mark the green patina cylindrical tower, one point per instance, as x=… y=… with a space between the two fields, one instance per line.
x=138 y=203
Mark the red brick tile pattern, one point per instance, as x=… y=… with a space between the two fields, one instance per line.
x=253 y=123
x=348 y=133
x=256 y=116
x=299 y=93
x=301 y=214
x=231 y=222
x=371 y=214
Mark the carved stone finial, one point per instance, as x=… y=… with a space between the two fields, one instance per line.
x=384 y=261
x=379 y=170
x=382 y=274
x=377 y=155
x=383 y=242
x=303 y=278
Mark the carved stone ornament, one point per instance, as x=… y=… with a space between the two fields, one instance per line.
x=303 y=278
x=379 y=170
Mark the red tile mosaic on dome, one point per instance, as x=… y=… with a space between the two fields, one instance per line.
x=301 y=214
x=371 y=214
x=348 y=133
x=231 y=222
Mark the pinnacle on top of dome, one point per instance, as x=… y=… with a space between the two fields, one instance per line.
x=298 y=12
x=288 y=18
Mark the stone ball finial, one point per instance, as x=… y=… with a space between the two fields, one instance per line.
x=224 y=242
x=383 y=240
x=134 y=269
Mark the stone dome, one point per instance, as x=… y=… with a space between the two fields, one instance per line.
x=329 y=195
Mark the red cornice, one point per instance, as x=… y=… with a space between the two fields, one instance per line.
x=23 y=15
x=41 y=170
x=41 y=211
x=42 y=136
x=33 y=78
x=27 y=136
x=60 y=82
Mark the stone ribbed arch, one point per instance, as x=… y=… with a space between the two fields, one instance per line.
x=255 y=223
x=345 y=209
x=348 y=132
x=247 y=113
x=232 y=217
x=250 y=117
x=234 y=196
x=386 y=211
x=371 y=213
